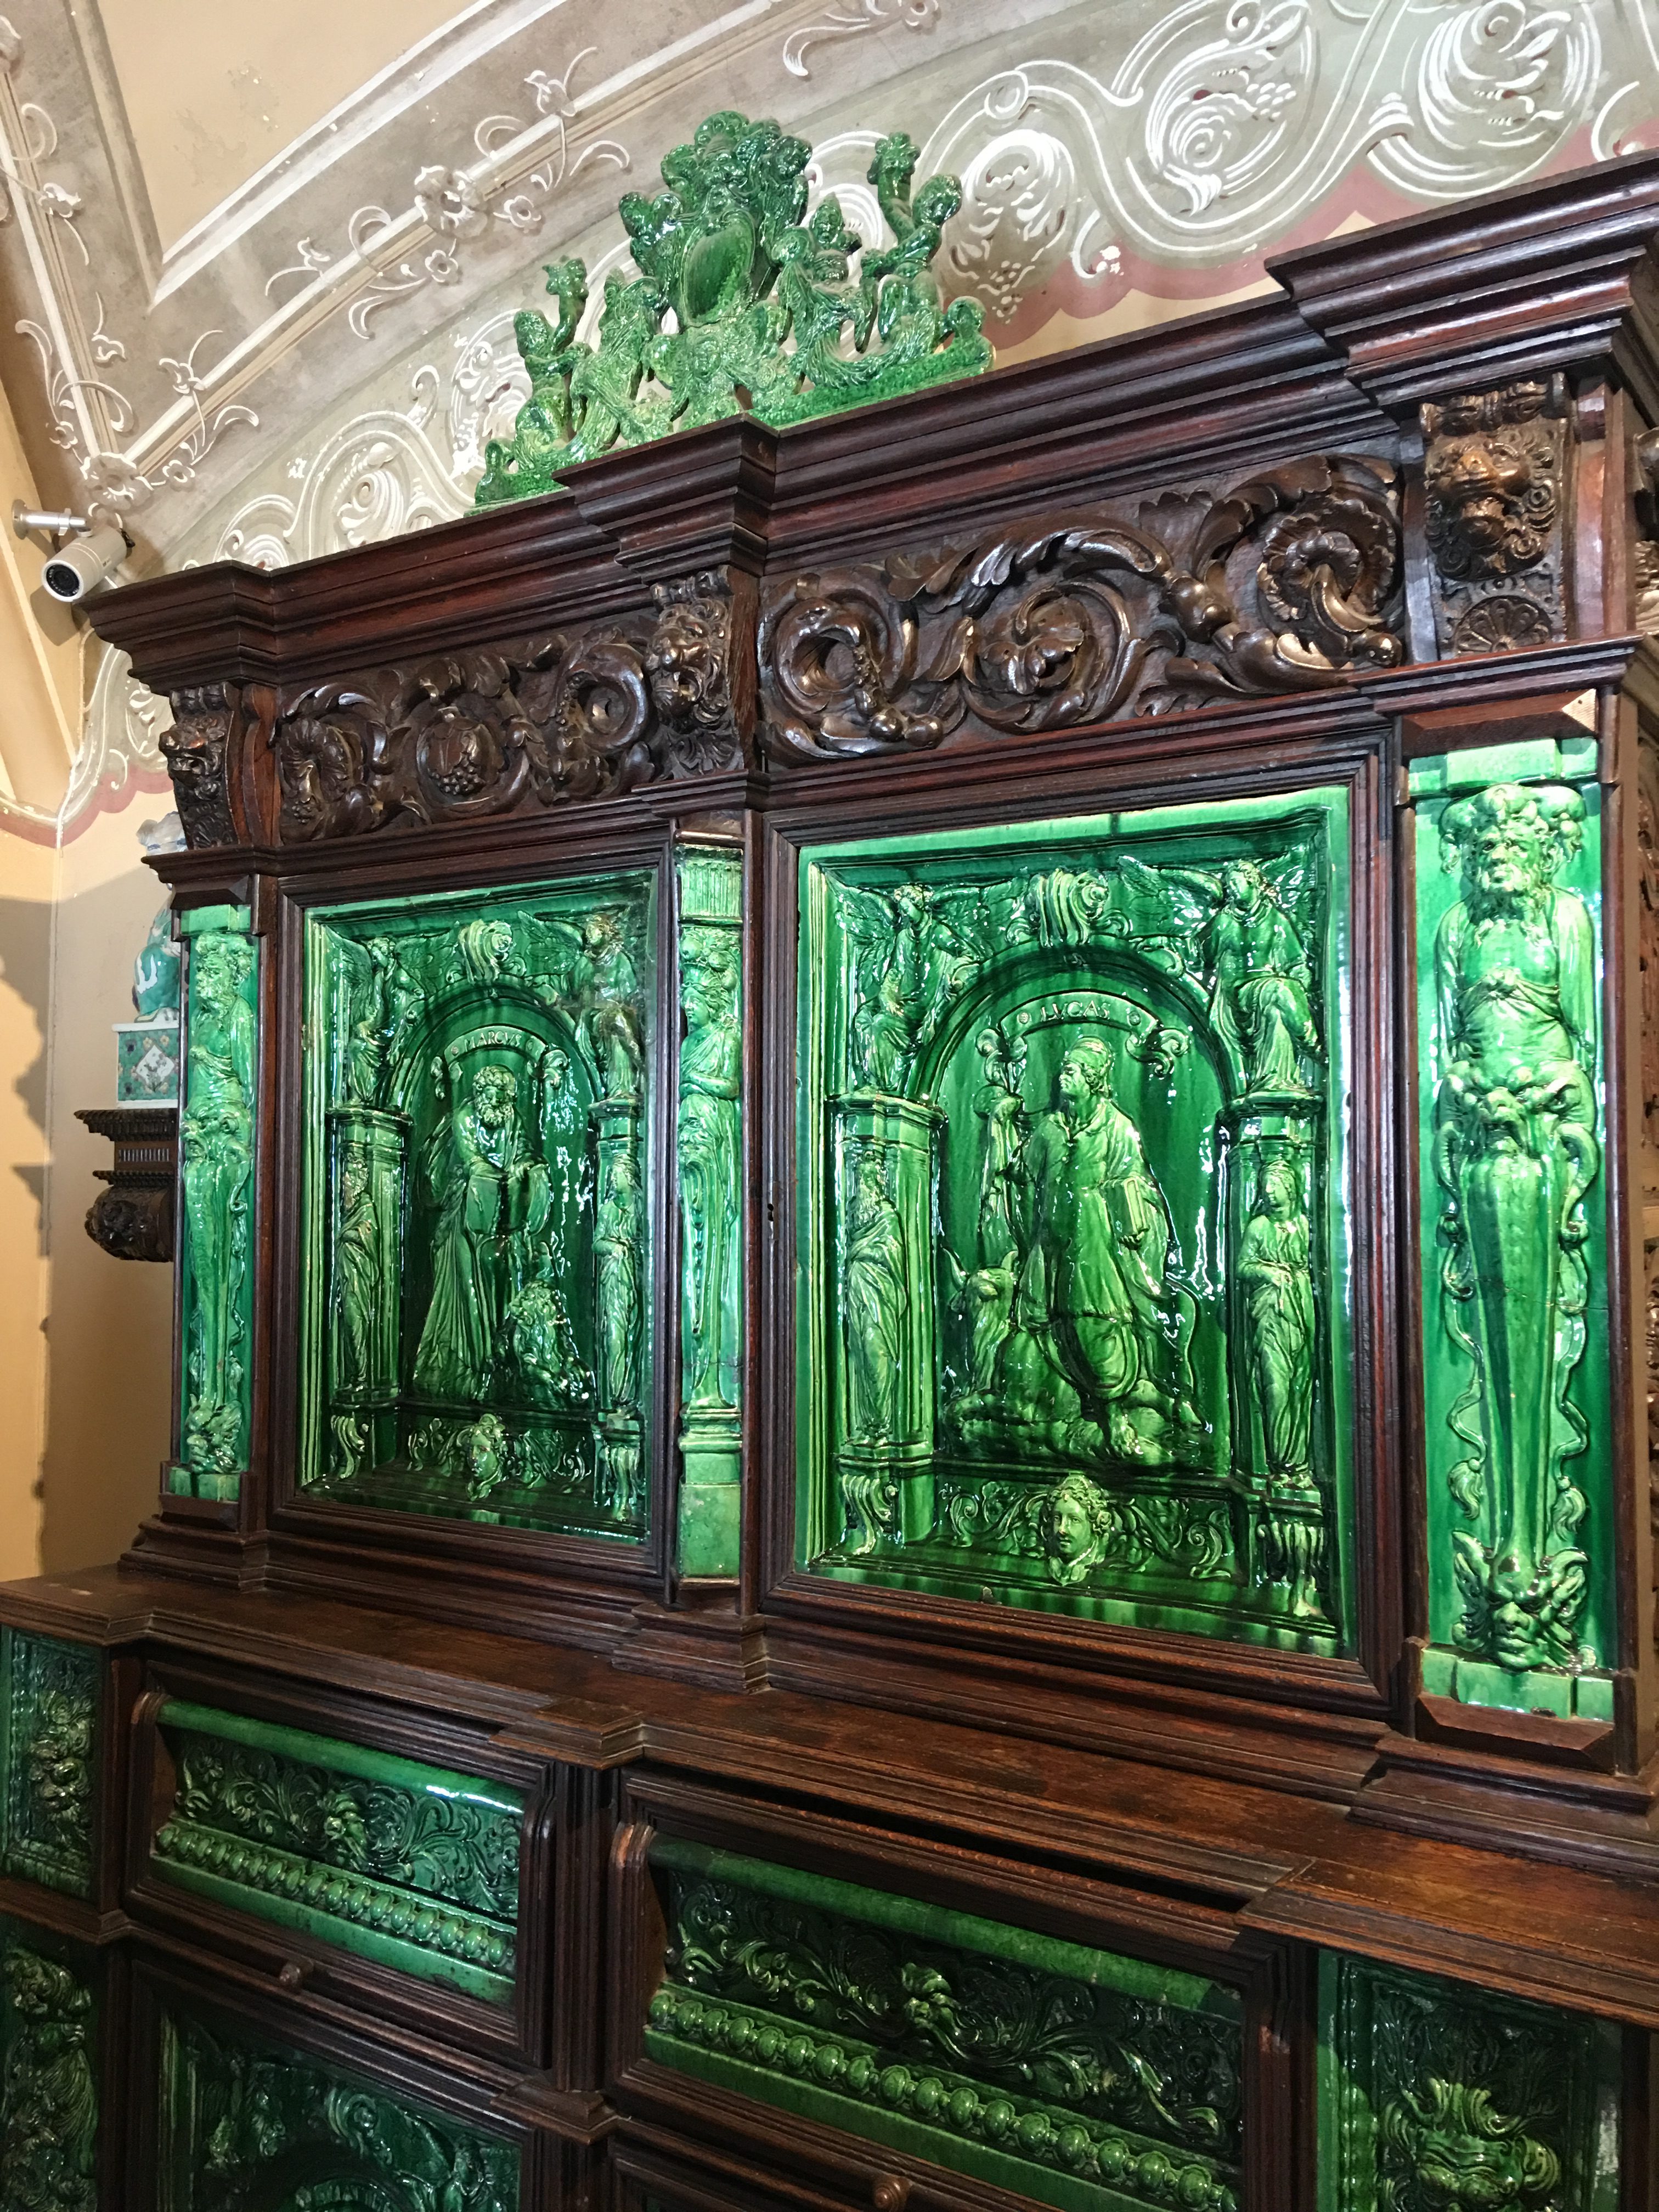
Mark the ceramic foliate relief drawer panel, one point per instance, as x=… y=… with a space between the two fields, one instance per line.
x=1437 y=2098
x=216 y=1239
x=51 y=1694
x=475 y=1294
x=406 y=1864
x=1513 y=1183
x=1071 y=2076
x=1075 y=1250
x=247 y=2122
x=50 y=2028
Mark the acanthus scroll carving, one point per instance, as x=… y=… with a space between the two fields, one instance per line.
x=1283 y=584
x=1492 y=478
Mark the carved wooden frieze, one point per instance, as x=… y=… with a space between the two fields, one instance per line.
x=1494 y=514
x=1283 y=583
x=584 y=713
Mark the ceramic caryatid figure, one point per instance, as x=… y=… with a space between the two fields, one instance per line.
x=1275 y=1273
x=710 y=1136
x=1516 y=1150
x=216 y=1136
x=875 y=1294
x=742 y=305
x=493 y=1194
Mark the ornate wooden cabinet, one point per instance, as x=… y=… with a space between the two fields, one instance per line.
x=917 y=1201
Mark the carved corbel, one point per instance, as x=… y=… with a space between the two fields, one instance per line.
x=198 y=750
x=132 y=1219
x=1493 y=472
x=700 y=663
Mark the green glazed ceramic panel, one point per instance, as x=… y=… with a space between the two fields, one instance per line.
x=403 y=1863
x=50 y=1696
x=1073 y=1261
x=215 y=1236
x=1073 y=2076
x=49 y=2073
x=244 y=2123
x=709 y=1150
x=476 y=1297
x=1435 y=2097
x=1515 y=1324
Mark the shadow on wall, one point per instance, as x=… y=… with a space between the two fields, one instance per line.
x=109 y=1326
x=25 y=992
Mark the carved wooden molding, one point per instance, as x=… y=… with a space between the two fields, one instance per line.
x=132 y=1219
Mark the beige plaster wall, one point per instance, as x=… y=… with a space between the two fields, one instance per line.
x=28 y=877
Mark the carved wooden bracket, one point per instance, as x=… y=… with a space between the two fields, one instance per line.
x=133 y=1218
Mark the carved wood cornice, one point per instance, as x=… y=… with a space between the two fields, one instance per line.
x=1224 y=509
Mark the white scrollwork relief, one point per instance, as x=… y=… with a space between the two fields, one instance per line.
x=377 y=477
x=851 y=21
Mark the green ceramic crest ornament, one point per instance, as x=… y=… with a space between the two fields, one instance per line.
x=742 y=305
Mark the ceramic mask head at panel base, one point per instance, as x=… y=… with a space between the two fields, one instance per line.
x=474 y=1339
x=1074 y=1321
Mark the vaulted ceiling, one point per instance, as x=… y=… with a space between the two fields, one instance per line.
x=259 y=257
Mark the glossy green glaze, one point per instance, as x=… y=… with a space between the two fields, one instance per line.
x=48 y=2074
x=407 y=1864
x=741 y=306
x=1516 y=1321
x=474 y=1338
x=243 y=2123
x=1070 y=2076
x=709 y=1135
x=1435 y=2097
x=1073 y=1237
x=215 y=1145
x=50 y=1695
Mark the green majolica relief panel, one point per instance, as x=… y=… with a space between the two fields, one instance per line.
x=1436 y=2098
x=50 y=1696
x=709 y=1138
x=1073 y=1258
x=49 y=2071
x=216 y=1242
x=1074 y=2076
x=1514 y=1228
x=247 y=2124
x=405 y=1863
x=475 y=1337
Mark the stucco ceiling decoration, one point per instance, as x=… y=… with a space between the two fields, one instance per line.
x=321 y=358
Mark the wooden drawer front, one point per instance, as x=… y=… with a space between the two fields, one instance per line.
x=247 y=2120
x=49 y=1697
x=406 y=1864
x=1075 y=2076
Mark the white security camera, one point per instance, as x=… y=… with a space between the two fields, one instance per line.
x=79 y=566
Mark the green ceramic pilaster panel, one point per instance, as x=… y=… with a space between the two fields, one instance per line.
x=246 y=2122
x=215 y=1240
x=740 y=306
x=1436 y=2098
x=1073 y=1260
x=1516 y=1325
x=475 y=1305
x=405 y=1863
x=51 y=1694
x=709 y=1138
x=1073 y=2076
x=49 y=2073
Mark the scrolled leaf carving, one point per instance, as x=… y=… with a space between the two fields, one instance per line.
x=465 y=735
x=1282 y=584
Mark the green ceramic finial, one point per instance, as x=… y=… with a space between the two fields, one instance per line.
x=741 y=306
